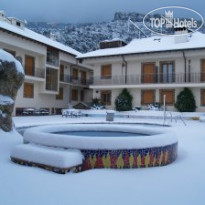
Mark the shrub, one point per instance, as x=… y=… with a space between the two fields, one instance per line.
x=96 y=101
x=185 y=101
x=97 y=105
x=124 y=101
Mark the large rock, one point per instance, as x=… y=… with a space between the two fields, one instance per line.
x=11 y=79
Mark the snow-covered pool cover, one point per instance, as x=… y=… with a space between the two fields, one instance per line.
x=44 y=135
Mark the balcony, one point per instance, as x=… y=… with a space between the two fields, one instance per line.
x=179 y=78
x=65 y=78
x=35 y=72
x=73 y=80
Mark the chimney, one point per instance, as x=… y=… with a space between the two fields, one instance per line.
x=181 y=35
x=2 y=14
x=114 y=43
x=53 y=36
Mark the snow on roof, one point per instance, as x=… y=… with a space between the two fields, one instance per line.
x=14 y=18
x=113 y=40
x=151 y=44
x=4 y=56
x=27 y=33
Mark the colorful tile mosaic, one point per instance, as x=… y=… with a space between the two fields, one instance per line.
x=74 y=169
x=148 y=157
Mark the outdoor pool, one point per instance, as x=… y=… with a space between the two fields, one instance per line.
x=110 y=146
x=100 y=134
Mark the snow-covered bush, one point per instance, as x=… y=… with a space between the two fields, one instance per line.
x=97 y=105
x=124 y=101
x=185 y=101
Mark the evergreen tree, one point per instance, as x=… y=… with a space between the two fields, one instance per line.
x=124 y=101
x=185 y=101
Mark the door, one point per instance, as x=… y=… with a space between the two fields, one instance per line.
x=148 y=73
x=167 y=72
x=75 y=74
x=29 y=65
x=62 y=79
x=202 y=70
x=83 y=77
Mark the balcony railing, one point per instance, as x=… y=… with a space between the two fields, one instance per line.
x=73 y=80
x=65 y=78
x=150 y=79
x=51 y=87
x=35 y=72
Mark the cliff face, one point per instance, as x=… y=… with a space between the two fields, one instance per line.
x=11 y=79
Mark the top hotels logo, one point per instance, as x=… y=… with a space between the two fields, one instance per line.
x=165 y=20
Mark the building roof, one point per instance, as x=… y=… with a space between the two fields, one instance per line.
x=27 y=33
x=149 y=45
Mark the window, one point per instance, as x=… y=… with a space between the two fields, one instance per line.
x=18 y=23
x=106 y=97
x=28 y=90
x=203 y=97
x=82 y=95
x=52 y=56
x=51 y=79
x=62 y=73
x=75 y=74
x=74 y=96
x=170 y=96
x=60 y=95
x=167 y=72
x=147 y=97
x=106 y=72
x=29 y=65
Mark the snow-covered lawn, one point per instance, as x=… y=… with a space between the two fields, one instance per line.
x=143 y=116
x=180 y=183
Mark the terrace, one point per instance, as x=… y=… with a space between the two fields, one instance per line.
x=176 y=78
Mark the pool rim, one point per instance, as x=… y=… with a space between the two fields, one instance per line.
x=42 y=135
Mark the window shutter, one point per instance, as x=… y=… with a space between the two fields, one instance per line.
x=148 y=97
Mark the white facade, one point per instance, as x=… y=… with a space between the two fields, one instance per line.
x=60 y=77
x=42 y=88
x=188 y=67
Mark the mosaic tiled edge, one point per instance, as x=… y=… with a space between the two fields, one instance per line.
x=75 y=169
x=132 y=158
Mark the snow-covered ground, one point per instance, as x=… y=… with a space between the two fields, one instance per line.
x=144 y=116
x=180 y=183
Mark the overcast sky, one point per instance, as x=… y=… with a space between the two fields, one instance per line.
x=80 y=11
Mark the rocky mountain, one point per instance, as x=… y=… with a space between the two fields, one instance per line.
x=86 y=37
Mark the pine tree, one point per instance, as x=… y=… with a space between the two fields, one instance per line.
x=185 y=101
x=124 y=101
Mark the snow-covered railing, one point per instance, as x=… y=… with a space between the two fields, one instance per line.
x=155 y=78
x=73 y=80
x=37 y=72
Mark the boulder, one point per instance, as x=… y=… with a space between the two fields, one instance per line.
x=11 y=79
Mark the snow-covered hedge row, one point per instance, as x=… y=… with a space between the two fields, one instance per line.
x=45 y=136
